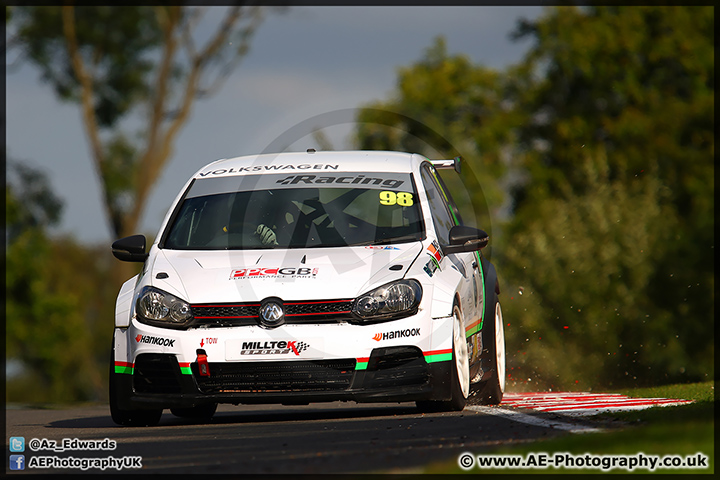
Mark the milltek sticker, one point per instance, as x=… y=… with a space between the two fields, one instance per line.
x=281 y=347
x=409 y=332
x=279 y=272
x=163 y=342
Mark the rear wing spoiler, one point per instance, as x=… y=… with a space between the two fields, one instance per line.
x=444 y=164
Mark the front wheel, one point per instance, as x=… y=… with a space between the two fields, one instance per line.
x=128 y=418
x=132 y=418
x=490 y=391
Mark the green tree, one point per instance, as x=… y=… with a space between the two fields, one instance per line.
x=582 y=315
x=633 y=86
x=30 y=204
x=53 y=298
x=445 y=106
x=637 y=82
x=131 y=62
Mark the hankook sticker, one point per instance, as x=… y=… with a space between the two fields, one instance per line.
x=408 y=332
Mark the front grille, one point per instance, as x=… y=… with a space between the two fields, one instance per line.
x=301 y=376
x=226 y=311
x=156 y=373
x=241 y=314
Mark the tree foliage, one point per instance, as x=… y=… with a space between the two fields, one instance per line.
x=633 y=86
x=603 y=139
x=585 y=264
x=30 y=204
x=447 y=97
x=637 y=82
x=54 y=298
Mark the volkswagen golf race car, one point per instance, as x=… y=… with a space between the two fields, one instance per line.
x=308 y=277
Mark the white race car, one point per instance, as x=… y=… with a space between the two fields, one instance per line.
x=308 y=277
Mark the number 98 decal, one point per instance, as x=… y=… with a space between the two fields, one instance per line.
x=404 y=199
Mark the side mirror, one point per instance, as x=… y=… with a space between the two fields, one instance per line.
x=130 y=249
x=466 y=239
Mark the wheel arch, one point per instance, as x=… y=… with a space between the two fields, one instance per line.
x=490 y=275
x=124 y=303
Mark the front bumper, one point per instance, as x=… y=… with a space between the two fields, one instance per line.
x=393 y=374
x=394 y=361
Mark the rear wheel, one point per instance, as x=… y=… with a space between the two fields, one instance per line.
x=490 y=392
x=459 y=372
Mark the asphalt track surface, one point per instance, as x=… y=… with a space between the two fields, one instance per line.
x=259 y=439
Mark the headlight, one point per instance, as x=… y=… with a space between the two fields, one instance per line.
x=394 y=300
x=162 y=309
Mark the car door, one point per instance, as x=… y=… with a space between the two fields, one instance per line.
x=445 y=216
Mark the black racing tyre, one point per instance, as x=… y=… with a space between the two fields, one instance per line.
x=459 y=372
x=128 y=418
x=201 y=412
x=490 y=391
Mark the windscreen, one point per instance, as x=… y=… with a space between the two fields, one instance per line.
x=296 y=211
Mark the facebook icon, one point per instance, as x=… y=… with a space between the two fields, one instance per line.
x=17 y=462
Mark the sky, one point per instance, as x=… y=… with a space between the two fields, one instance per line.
x=303 y=63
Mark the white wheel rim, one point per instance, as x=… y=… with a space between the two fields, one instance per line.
x=461 y=354
x=500 y=347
